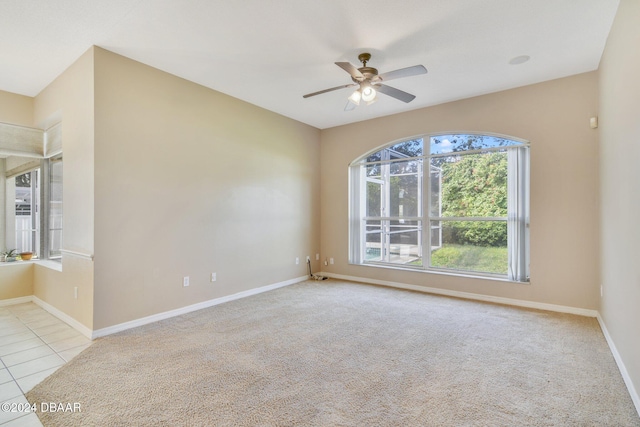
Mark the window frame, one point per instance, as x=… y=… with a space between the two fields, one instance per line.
x=46 y=223
x=517 y=227
x=35 y=208
x=40 y=203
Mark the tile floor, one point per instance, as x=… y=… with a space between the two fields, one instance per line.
x=33 y=344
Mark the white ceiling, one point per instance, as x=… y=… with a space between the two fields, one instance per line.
x=271 y=52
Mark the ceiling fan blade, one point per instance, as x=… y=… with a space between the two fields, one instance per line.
x=403 y=72
x=351 y=69
x=328 y=90
x=395 y=93
x=350 y=106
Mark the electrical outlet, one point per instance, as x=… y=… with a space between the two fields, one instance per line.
x=331 y=261
x=75 y=292
x=214 y=277
x=185 y=281
x=325 y=261
x=317 y=257
x=601 y=291
x=308 y=258
x=297 y=260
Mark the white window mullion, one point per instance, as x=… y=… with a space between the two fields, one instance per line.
x=385 y=210
x=426 y=213
x=357 y=226
x=421 y=209
x=517 y=230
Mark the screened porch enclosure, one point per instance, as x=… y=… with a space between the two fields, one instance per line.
x=394 y=227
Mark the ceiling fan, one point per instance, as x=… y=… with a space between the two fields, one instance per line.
x=369 y=82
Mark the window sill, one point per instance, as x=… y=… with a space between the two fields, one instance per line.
x=6 y=263
x=52 y=265
x=470 y=275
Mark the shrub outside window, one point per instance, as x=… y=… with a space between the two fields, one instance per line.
x=455 y=202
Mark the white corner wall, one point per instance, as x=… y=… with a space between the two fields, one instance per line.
x=620 y=186
x=69 y=99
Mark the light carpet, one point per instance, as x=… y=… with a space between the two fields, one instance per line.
x=343 y=354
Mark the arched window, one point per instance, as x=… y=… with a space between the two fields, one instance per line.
x=456 y=202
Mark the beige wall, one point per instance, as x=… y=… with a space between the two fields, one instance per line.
x=16 y=280
x=554 y=117
x=620 y=183
x=16 y=109
x=189 y=181
x=57 y=288
x=70 y=98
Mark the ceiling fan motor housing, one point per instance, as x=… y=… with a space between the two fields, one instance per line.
x=367 y=72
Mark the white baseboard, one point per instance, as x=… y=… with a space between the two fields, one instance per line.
x=63 y=316
x=623 y=369
x=188 y=309
x=469 y=295
x=51 y=309
x=14 y=301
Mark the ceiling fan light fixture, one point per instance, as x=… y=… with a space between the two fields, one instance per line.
x=368 y=94
x=355 y=97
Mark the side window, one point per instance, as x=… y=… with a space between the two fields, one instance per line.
x=54 y=230
x=27 y=212
x=34 y=207
x=31 y=196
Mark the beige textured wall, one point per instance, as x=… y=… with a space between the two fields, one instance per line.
x=189 y=181
x=554 y=117
x=70 y=98
x=16 y=280
x=57 y=288
x=16 y=109
x=620 y=183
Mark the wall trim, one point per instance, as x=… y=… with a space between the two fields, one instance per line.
x=63 y=316
x=194 y=307
x=469 y=295
x=77 y=254
x=14 y=301
x=623 y=369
